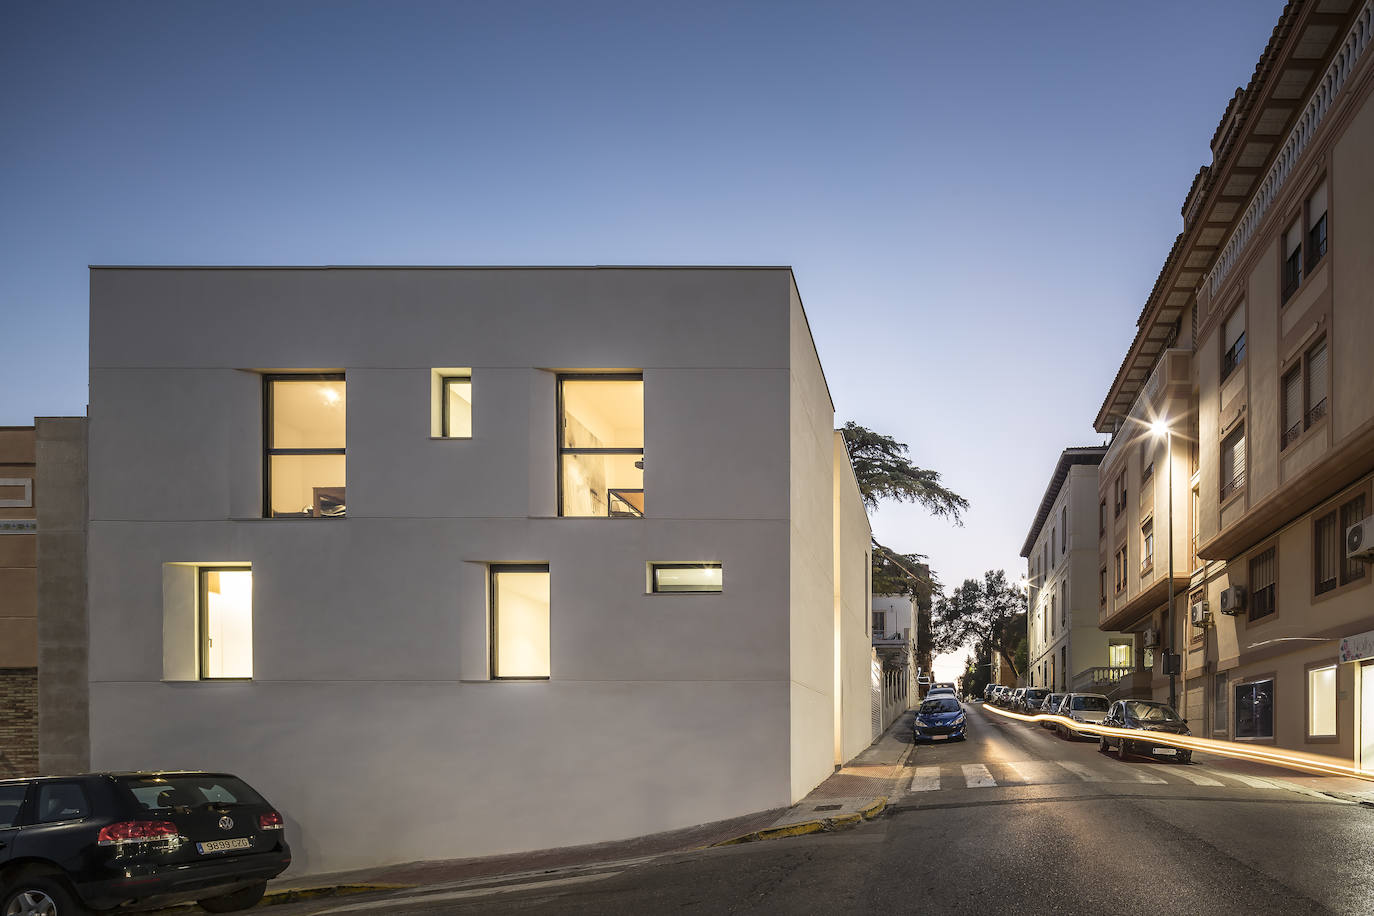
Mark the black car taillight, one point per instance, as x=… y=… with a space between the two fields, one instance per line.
x=270 y=821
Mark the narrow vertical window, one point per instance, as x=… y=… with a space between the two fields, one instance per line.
x=305 y=439
x=1292 y=260
x=1263 y=593
x=601 y=446
x=226 y=622
x=1314 y=368
x=1327 y=542
x=1255 y=710
x=1232 y=342
x=879 y=624
x=1316 y=226
x=1292 y=407
x=1321 y=702
x=1147 y=545
x=1233 y=462
x=519 y=622
x=456 y=407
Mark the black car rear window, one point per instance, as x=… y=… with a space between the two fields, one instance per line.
x=1091 y=704
x=11 y=800
x=155 y=793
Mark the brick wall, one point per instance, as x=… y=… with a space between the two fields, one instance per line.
x=18 y=722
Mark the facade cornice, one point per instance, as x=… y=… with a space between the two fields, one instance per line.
x=1080 y=454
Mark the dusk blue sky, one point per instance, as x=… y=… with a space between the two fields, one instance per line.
x=975 y=198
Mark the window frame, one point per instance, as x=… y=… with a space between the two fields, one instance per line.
x=1308 y=670
x=562 y=450
x=444 y=420
x=1311 y=414
x=1147 y=545
x=1230 y=488
x=493 y=640
x=1291 y=272
x=655 y=590
x=1252 y=593
x=1233 y=357
x=202 y=621
x=268 y=452
x=1253 y=682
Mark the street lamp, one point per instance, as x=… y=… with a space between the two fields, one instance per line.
x=1160 y=427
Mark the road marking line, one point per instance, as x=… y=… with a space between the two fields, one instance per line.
x=1197 y=778
x=977 y=776
x=1253 y=782
x=1142 y=776
x=1082 y=772
x=925 y=780
x=393 y=902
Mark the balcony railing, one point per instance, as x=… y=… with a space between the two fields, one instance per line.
x=1316 y=413
x=1232 y=485
x=1233 y=358
x=1092 y=677
x=1291 y=434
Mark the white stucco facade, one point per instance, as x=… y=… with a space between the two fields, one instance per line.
x=371 y=700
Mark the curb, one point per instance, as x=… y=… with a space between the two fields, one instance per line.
x=273 y=898
x=802 y=828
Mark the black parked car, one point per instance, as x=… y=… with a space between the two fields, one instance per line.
x=1149 y=716
x=71 y=844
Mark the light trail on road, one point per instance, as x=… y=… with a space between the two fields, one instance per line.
x=1293 y=760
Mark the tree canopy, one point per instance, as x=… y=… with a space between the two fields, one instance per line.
x=991 y=612
x=884 y=472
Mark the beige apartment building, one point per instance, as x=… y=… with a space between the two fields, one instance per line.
x=1065 y=648
x=43 y=708
x=1243 y=414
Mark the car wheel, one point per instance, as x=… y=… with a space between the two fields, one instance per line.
x=1122 y=750
x=238 y=900
x=38 y=893
x=1102 y=745
x=1185 y=757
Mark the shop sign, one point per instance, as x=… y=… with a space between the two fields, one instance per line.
x=18 y=526
x=1354 y=648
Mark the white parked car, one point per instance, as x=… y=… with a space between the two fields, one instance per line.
x=1082 y=707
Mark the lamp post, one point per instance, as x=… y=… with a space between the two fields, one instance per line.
x=1161 y=427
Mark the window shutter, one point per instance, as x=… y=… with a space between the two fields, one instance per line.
x=1316 y=375
x=1316 y=204
x=1292 y=240
x=1235 y=326
x=1292 y=400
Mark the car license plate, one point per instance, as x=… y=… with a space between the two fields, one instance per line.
x=1166 y=751
x=242 y=842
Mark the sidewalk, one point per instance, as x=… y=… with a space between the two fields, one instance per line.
x=854 y=792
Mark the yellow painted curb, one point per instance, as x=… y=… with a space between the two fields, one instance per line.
x=846 y=820
x=874 y=809
x=802 y=828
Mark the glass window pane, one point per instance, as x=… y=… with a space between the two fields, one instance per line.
x=520 y=624
x=603 y=486
x=705 y=577
x=307 y=486
x=227 y=640
x=308 y=413
x=1321 y=701
x=458 y=407
x=602 y=413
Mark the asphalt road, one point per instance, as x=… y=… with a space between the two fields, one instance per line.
x=1014 y=820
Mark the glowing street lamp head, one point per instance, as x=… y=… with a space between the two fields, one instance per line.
x=1159 y=427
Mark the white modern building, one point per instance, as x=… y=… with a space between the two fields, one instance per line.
x=472 y=560
x=894 y=658
x=1065 y=648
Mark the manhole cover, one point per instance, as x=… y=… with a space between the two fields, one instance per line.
x=829 y=807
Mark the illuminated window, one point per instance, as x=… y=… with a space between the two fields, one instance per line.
x=305 y=446
x=519 y=622
x=226 y=622
x=1119 y=655
x=697 y=577
x=1321 y=702
x=601 y=446
x=450 y=403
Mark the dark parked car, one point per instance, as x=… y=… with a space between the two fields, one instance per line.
x=1149 y=716
x=1029 y=703
x=71 y=844
x=1050 y=707
x=939 y=717
x=1088 y=708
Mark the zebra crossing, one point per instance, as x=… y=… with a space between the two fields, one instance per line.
x=1056 y=772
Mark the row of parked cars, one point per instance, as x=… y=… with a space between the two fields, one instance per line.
x=1095 y=709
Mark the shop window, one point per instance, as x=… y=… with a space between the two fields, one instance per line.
x=601 y=446
x=1321 y=702
x=305 y=439
x=1255 y=709
x=520 y=622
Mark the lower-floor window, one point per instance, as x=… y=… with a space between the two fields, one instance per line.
x=226 y=622
x=1119 y=655
x=1255 y=709
x=519 y=621
x=1321 y=702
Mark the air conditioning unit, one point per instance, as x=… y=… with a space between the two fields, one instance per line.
x=1359 y=541
x=1200 y=613
x=1233 y=600
x=1151 y=637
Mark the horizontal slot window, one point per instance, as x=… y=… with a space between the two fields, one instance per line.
x=687 y=577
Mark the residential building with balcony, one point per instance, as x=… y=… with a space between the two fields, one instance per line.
x=1253 y=348
x=1066 y=649
x=43 y=691
x=516 y=540
x=894 y=655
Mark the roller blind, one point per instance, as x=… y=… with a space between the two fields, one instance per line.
x=1316 y=375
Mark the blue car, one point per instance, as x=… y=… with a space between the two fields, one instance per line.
x=939 y=717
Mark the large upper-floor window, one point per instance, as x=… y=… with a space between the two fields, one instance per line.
x=601 y=446
x=1304 y=393
x=226 y=622
x=305 y=437
x=1307 y=231
x=1232 y=342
